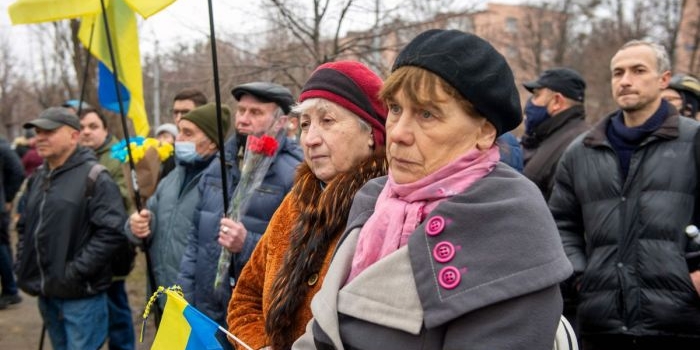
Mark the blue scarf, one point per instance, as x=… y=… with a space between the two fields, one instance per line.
x=625 y=140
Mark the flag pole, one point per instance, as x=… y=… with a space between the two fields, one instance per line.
x=239 y=341
x=217 y=97
x=85 y=71
x=137 y=196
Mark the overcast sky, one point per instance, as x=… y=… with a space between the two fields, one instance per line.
x=183 y=21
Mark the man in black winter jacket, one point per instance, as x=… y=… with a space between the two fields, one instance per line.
x=554 y=116
x=68 y=234
x=623 y=196
x=11 y=177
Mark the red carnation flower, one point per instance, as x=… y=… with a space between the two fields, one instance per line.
x=265 y=144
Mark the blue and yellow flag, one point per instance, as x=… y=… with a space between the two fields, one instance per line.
x=125 y=43
x=184 y=327
x=124 y=37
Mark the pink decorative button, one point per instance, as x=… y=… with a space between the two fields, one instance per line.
x=449 y=277
x=435 y=225
x=444 y=252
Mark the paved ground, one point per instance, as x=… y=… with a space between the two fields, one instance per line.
x=20 y=324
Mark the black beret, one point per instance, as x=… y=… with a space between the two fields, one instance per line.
x=266 y=92
x=473 y=67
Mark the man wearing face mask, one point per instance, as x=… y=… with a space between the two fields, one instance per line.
x=262 y=108
x=169 y=213
x=554 y=116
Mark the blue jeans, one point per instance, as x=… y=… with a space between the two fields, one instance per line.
x=75 y=323
x=7 y=278
x=121 y=326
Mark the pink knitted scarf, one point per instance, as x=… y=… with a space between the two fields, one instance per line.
x=400 y=208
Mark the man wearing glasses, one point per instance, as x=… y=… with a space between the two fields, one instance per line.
x=185 y=101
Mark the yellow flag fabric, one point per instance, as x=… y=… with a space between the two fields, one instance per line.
x=184 y=327
x=146 y=8
x=36 y=11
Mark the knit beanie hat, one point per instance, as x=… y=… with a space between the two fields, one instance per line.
x=170 y=128
x=353 y=86
x=473 y=67
x=205 y=119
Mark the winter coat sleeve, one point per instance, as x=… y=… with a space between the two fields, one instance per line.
x=566 y=209
x=106 y=217
x=246 y=313
x=188 y=264
x=240 y=259
x=12 y=172
x=152 y=206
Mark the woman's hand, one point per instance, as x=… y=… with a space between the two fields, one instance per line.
x=139 y=223
x=232 y=235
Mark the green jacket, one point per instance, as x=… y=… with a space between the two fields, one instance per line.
x=114 y=167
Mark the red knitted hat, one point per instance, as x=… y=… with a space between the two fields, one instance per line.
x=355 y=87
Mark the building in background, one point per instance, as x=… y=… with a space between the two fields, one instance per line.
x=687 y=58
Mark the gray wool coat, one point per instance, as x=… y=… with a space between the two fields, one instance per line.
x=510 y=262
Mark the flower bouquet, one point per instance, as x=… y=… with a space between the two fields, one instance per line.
x=259 y=153
x=148 y=154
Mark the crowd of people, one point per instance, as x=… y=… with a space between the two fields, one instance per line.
x=396 y=214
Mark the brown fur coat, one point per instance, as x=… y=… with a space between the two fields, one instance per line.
x=270 y=305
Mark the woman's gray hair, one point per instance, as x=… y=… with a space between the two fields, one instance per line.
x=328 y=107
x=663 y=62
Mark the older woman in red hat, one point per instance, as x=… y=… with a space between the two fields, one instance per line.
x=342 y=135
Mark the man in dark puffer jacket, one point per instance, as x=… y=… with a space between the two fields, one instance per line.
x=623 y=195
x=68 y=234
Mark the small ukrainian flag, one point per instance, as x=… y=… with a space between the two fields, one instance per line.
x=183 y=326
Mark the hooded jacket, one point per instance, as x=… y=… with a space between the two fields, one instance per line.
x=625 y=236
x=67 y=238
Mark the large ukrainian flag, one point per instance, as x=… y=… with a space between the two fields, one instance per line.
x=184 y=327
x=124 y=38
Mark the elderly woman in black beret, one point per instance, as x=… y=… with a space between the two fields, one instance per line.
x=452 y=250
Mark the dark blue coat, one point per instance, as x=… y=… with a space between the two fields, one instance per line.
x=198 y=266
x=12 y=175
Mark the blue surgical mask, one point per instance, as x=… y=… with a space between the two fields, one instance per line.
x=186 y=152
x=534 y=115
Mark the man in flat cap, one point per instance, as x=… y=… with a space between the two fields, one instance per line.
x=70 y=229
x=555 y=115
x=262 y=106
